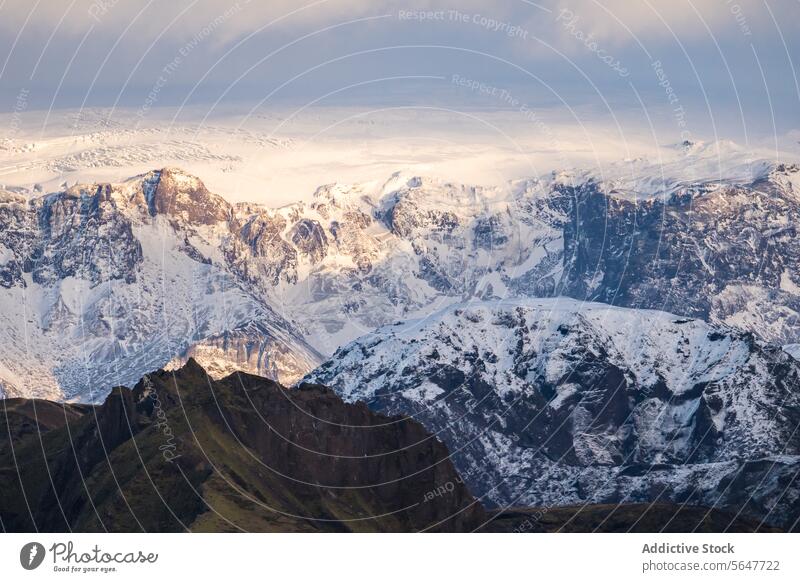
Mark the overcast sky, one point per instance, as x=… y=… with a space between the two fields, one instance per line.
x=699 y=65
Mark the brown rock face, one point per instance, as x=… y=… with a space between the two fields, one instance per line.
x=174 y=193
x=184 y=452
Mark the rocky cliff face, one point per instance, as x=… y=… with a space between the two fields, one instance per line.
x=723 y=252
x=556 y=402
x=184 y=452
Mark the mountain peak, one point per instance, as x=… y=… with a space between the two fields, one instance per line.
x=174 y=192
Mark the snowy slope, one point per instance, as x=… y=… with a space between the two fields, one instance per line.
x=556 y=401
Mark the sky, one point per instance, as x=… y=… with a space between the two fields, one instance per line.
x=699 y=67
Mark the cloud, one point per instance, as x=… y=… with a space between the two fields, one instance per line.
x=623 y=22
x=107 y=48
x=111 y=17
x=618 y=21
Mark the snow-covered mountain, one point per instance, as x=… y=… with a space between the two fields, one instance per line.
x=101 y=283
x=359 y=256
x=556 y=402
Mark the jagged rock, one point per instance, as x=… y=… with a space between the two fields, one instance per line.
x=309 y=238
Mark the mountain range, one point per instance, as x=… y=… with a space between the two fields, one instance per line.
x=102 y=283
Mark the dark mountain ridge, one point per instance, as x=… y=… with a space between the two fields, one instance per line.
x=181 y=451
